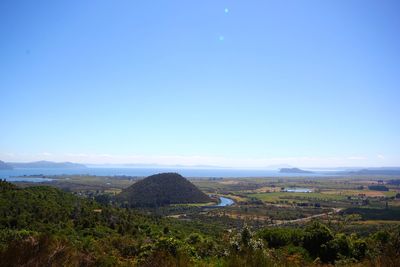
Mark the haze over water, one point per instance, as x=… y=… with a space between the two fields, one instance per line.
x=187 y=172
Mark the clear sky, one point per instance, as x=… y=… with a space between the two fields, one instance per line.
x=232 y=83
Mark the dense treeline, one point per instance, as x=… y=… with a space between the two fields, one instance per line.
x=390 y=213
x=41 y=222
x=378 y=188
x=43 y=226
x=393 y=182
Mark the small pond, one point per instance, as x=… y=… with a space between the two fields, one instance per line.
x=298 y=190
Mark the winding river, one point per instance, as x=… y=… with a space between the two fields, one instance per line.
x=223 y=202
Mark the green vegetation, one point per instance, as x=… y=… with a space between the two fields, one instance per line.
x=378 y=188
x=38 y=223
x=342 y=222
x=389 y=214
x=296 y=197
x=85 y=184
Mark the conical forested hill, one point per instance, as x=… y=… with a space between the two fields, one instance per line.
x=162 y=189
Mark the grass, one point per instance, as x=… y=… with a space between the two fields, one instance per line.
x=194 y=204
x=295 y=197
x=369 y=193
x=376 y=222
x=389 y=214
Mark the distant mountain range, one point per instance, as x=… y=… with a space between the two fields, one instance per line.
x=5 y=166
x=293 y=170
x=375 y=171
x=282 y=168
x=347 y=171
x=46 y=164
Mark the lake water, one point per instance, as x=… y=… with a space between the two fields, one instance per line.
x=225 y=202
x=298 y=190
x=187 y=172
x=28 y=179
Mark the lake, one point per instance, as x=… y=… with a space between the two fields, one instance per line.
x=187 y=172
x=298 y=190
x=28 y=179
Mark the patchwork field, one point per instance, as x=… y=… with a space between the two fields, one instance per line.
x=263 y=201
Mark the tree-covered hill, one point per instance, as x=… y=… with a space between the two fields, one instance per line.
x=43 y=224
x=162 y=189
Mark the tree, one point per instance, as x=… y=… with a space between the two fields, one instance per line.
x=316 y=235
x=245 y=235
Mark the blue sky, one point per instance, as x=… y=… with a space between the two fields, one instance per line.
x=232 y=83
